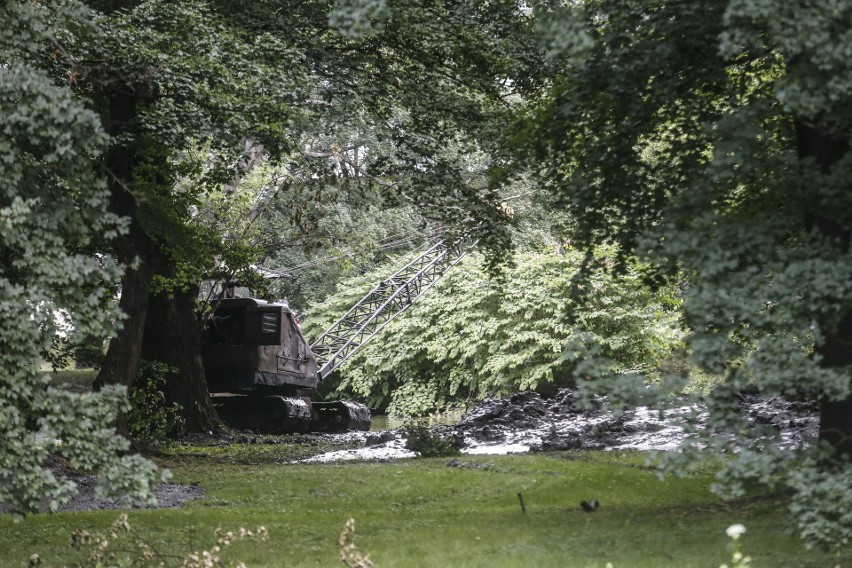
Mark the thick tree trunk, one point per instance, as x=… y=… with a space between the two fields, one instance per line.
x=170 y=333
x=122 y=359
x=835 y=426
x=173 y=337
x=134 y=250
x=825 y=148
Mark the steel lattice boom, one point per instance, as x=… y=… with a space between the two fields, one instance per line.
x=391 y=297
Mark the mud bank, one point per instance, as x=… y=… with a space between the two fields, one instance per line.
x=527 y=422
x=169 y=495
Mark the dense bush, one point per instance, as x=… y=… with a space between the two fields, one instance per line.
x=473 y=335
x=421 y=440
x=151 y=418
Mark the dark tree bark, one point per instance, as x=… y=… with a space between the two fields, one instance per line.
x=134 y=249
x=173 y=337
x=122 y=359
x=817 y=143
x=156 y=328
x=835 y=426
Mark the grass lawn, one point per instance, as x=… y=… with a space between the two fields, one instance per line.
x=74 y=380
x=421 y=513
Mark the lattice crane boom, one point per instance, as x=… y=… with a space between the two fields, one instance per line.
x=387 y=300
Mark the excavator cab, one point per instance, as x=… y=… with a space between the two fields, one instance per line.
x=252 y=345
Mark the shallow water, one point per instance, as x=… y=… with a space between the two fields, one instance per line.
x=382 y=422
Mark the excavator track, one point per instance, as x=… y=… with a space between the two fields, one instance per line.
x=269 y=414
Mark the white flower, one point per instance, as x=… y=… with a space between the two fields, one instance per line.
x=734 y=531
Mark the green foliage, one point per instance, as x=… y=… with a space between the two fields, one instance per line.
x=315 y=242
x=307 y=122
x=426 y=444
x=213 y=89
x=208 y=107
x=822 y=504
x=151 y=419
x=713 y=138
x=472 y=336
x=348 y=242
x=396 y=135
x=358 y=18
x=812 y=38
x=52 y=204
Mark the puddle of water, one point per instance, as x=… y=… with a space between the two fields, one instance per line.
x=496 y=449
x=382 y=422
x=394 y=449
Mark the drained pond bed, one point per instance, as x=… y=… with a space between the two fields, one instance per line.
x=527 y=422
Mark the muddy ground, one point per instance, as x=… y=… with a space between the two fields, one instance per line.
x=169 y=495
x=525 y=422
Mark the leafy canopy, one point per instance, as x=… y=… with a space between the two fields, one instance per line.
x=713 y=138
x=52 y=203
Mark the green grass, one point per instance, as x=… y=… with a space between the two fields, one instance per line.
x=258 y=449
x=74 y=380
x=423 y=513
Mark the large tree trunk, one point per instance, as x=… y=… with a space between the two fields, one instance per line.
x=125 y=349
x=816 y=142
x=173 y=337
x=835 y=426
x=134 y=249
x=169 y=333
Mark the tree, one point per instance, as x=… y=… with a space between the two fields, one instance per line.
x=253 y=85
x=408 y=99
x=52 y=202
x=713 y=138
x=162 y=96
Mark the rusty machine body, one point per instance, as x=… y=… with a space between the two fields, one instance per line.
x=261 y=372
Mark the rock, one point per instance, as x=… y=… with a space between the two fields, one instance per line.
x=484 y=413
x=380 y=438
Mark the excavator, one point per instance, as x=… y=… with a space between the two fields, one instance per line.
x=262 y=373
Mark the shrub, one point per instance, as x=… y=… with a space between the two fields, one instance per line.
x=428 y=445
x=474 y=336
x=151 y=419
